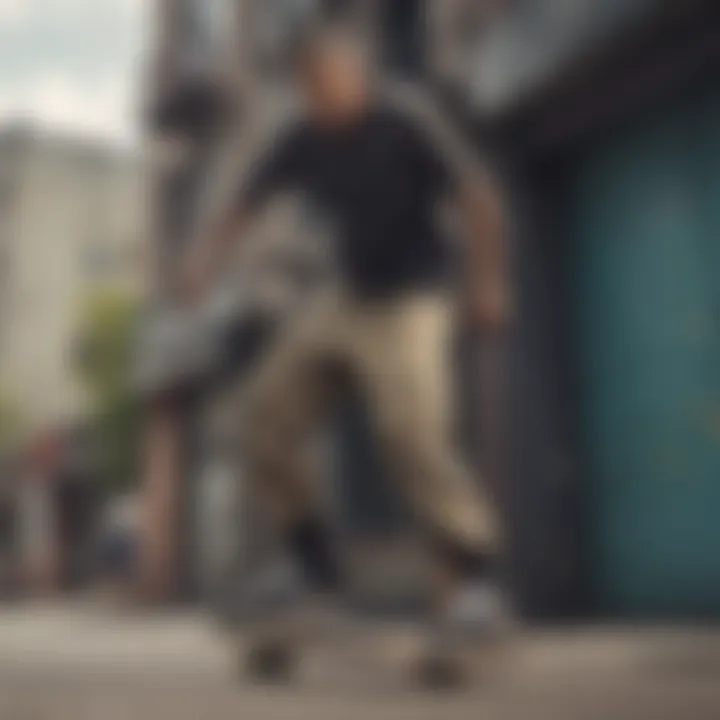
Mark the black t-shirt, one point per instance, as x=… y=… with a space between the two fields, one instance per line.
x=379 y=182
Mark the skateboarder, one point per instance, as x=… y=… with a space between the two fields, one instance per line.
x=379 y=169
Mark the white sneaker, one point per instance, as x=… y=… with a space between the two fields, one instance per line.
x=478 y=611
x=277 y=615
x=476 y=620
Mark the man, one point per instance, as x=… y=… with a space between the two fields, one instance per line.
x=379 y=174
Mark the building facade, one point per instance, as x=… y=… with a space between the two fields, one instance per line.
x=71 y=224
x=606 y=115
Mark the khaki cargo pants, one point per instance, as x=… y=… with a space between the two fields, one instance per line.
x=397 y=353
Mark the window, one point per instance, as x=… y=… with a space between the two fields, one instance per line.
x=214 y=21
x=100 y=262
x=403 y=33
x=205 y=29
x=276 y=21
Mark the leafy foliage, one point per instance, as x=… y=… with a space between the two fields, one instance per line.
x=104 y=362
x=11 y=421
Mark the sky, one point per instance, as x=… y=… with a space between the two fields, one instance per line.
x=73 y=65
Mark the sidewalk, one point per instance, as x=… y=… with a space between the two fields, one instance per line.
x=74 y=662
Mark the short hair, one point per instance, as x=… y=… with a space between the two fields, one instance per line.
x=307 y=41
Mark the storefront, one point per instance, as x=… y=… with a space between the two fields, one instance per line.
x=614 y=160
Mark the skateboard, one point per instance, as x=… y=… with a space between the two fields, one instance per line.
x=407 y=652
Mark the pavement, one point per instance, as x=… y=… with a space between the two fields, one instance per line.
x=82 y=662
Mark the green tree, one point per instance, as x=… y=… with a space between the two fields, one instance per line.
x=11 y=421
x=107 y=337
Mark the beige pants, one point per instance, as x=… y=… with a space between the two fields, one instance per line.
x=397 y=352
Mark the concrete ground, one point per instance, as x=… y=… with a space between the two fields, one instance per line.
x=82 y=663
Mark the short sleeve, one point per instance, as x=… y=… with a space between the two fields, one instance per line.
x=442 y=151
x=427 y=159
x=277 y=170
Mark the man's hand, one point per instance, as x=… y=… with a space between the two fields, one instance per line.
x=193 y=282
x=490 y=292
x=491 y=306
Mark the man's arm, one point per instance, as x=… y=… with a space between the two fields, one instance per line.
x=276 y=170
x=450 y=156
x=489 y=275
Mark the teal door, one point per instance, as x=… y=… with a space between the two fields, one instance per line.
x=647 y=304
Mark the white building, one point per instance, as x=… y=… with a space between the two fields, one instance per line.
x=71 y=221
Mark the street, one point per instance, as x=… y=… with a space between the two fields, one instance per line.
x=79 y=662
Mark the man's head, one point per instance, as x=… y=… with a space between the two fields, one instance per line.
x=333 y=71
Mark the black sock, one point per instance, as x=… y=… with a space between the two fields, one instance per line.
x=312 y=545
x=469 y=564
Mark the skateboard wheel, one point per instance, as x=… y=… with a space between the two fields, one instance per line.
x=269 y=663
x=440 y=673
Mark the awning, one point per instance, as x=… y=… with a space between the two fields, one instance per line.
x=530 y=46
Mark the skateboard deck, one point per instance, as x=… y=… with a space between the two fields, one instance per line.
x=380 y=653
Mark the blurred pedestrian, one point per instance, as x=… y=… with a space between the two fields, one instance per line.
x=119 y=547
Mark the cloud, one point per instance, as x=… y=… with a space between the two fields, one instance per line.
x=63 y=102
x=14 y=12
x=73 y=64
